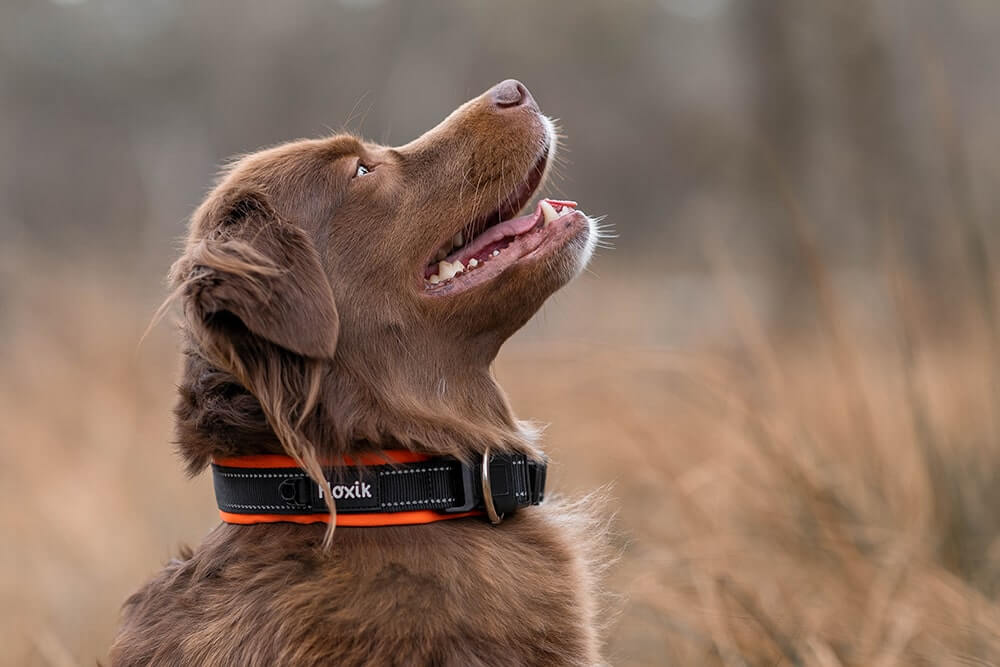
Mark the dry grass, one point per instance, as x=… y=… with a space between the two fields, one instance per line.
x=821 y=497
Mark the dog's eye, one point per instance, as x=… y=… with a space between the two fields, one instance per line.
x=362 y=170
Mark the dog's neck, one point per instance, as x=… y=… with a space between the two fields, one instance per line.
x=461 y=415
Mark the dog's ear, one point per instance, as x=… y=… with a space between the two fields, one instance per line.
x=252 y=273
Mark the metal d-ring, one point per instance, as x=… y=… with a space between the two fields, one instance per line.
x=491 y=510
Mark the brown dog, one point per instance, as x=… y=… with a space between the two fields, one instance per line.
x=341 y=297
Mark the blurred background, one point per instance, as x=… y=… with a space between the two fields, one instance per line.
x=788 y=367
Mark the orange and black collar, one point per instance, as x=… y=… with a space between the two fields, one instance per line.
x=390 y=488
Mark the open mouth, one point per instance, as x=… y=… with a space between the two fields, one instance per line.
x=491 y=243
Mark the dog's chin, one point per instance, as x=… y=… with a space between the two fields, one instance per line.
x=559 y=258
x=492 y=308
x=567 y=248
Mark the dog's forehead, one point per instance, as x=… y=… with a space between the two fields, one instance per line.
x=277 y=162
x=285 y=176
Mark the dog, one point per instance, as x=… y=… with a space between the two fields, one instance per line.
x=344 y=299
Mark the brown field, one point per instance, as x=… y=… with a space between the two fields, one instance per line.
x=825 y=494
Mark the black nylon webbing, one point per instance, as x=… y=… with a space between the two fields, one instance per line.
x=443 y=484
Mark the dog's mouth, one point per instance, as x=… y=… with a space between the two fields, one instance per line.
x=487 y=245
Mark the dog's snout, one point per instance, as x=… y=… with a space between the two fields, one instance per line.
x=511 y=93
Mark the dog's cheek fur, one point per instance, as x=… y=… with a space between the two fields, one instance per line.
x=242 y=600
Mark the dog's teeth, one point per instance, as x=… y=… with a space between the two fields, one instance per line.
x=435 y=279
x=473 y=263
x=457 y=241
x=441 y=254
x=448 y=270
x=549 y=213
x=495 y=253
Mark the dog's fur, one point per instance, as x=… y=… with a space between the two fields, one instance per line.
x=309 y=331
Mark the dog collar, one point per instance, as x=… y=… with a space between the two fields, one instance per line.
x=390 y=488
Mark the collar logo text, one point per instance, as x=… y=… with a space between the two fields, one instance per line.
x=357 y=490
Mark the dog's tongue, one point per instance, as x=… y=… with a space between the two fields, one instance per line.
x=493 y=237
x=508 y=228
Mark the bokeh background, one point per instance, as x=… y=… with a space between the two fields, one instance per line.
x=788 y=367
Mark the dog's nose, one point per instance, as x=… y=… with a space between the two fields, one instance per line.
x=511 y=93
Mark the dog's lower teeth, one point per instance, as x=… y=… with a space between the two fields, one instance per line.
x=448 y=270
x=473 y=263
x=495 y=253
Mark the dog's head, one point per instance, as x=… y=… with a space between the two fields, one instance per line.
x=363 y=290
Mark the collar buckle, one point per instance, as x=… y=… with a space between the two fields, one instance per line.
x=488 y=500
